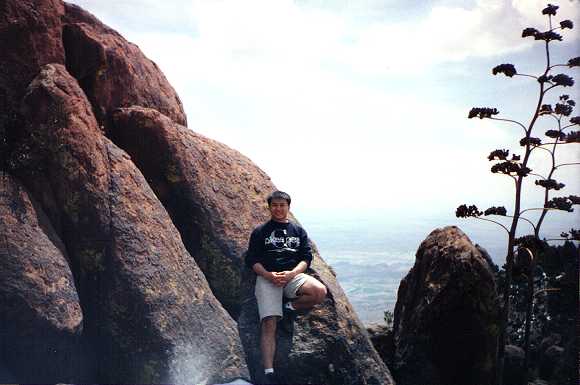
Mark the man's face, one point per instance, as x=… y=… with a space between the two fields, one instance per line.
x=279 y=210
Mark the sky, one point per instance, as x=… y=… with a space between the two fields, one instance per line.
x=358 y=104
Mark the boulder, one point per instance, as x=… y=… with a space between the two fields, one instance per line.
x=216 y=196
x=446 y=320
x=328 y=345
x=148 y=309
x=514 y=373
x=545 y=364
x=30 y=37
x=382 y=338
x=40 y=316
x=549 y=361
x=113 y=72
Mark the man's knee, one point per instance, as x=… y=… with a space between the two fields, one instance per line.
x=269 y=325
x=316 y=290
x=320 y=293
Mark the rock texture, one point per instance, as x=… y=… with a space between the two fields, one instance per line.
x=216 y=197
x=68 y=84
x=446 y=322
x=382 y=338
x=38 y=298
x=113 y=72
x=148 y=308
x=329 y=345
x=30 y=36
x=214 y=194
x=514 y=373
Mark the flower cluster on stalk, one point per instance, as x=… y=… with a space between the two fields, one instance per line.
x=498 y=155
x=560 y=203
x=510 y=168
x=465 y=211
x=530 y=141
x=499 y=210
x=550 y=184
x=563 y=80
x=482 y=112
x=507 y=69
x=554 y=134
x=572 y=235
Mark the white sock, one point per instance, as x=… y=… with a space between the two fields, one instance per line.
x=289 y=306
x=269 y=370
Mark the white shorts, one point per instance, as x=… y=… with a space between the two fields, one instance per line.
x=269 y=296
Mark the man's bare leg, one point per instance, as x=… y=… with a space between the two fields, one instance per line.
x=268 y=341
x=311 y=293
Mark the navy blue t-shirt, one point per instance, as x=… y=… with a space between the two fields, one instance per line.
x=279 y=246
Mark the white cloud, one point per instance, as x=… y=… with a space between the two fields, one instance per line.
x=320 y=99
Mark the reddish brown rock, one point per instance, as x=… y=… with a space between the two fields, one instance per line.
x=446 y=317
x=216 y=196
x=329 y=345
x=40 y=315
x=148 y=308
x=30 y=36
x=113 y=72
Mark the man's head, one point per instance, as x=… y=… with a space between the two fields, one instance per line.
x=279 y=204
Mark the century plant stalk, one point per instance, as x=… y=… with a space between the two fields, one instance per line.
x=518 y=171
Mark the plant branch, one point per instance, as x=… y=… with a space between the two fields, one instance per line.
x=541 y=176
x=568 y=164
x=492 y=221
x=541 y=208
x=530 y=76
x=545 y=149
x=511 y=121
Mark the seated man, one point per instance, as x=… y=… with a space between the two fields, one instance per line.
x=280 y=253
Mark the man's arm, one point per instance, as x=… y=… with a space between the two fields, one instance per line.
x=305 y=249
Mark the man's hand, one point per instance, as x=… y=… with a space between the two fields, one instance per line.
x=280 y=279
x=285 y=276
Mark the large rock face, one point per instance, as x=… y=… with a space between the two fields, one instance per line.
x=148 y=313
x=38 y=298
x=30 y=36
x=113 y=72
x=216 y=197
x=446 y=321
x=148 y=308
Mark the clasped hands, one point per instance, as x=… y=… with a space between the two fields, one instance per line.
x=280 y=278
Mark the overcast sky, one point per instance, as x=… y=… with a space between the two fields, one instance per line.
x=356 y=104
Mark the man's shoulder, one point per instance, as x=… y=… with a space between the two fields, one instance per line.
x=297 y=226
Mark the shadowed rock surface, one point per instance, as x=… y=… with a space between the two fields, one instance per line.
x=446 y=321
x=382 y=338
x=148 y=308
x=216 y=197
x=38 y=299
x=113 y=72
